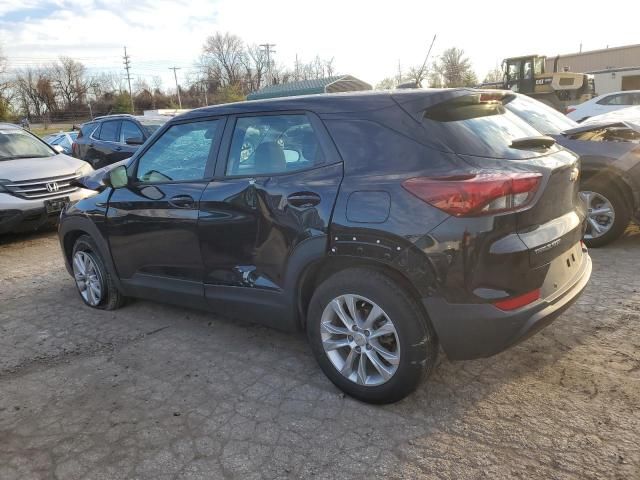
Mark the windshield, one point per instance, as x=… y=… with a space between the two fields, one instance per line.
x=20 y=144
x=543 y=118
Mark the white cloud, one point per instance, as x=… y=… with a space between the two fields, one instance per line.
x=367 y=38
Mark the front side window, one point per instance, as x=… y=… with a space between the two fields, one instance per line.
x=180 y=154
x=273 y=144
x=129 y=130
x=109 y=131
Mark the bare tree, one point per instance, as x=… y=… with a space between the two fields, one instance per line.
x=256 y=65
x=494 y=75
x=388 y=83
x=29 y=84
x=456 y=69
x=68 y=78
x=225 y=54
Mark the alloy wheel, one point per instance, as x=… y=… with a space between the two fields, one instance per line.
x=360 y=340
x=88 y=278
x=600 y=214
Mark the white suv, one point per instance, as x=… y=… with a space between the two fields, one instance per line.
x=35 y=180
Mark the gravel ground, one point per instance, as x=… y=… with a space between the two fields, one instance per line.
x=158 y=392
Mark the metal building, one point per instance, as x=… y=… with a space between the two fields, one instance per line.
x=341 y=83
x=614 y=69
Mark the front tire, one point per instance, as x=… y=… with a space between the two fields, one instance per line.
x=369 y=336
x=93 y=281
x=607 y=213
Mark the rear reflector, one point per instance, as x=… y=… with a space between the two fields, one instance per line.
x=519 y=301
x=476 y=194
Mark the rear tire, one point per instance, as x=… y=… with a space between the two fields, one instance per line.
x=397 y=349
x=601 y=196
x=93 y=281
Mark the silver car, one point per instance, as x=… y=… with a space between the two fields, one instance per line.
x=36 y=180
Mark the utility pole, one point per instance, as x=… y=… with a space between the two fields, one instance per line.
x=127 y=67
x=268 y=49
x=205 y=87
x=175 y=76
x=399 y=72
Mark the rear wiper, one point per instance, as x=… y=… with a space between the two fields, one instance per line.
x=527 y=143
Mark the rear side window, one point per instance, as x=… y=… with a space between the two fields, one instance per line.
x=479 y=125
x=109 y=131
x=619 y=99
x=272 y=144
x=87 y=129
x=129 y=130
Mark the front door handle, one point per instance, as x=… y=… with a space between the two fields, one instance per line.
x=304 y=199
x=182 y=201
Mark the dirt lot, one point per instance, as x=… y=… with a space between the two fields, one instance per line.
x=158 y=392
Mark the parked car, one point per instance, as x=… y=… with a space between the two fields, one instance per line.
x=383 y=223
x=35 y=180
x=64 y=139
x=609 y=148
x=112 y=138
x=608 y=102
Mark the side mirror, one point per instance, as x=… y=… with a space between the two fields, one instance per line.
x=58 y=148
x=134 y=141
x=116 y=178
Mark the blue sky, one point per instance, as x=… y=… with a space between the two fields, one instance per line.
x=366 y=38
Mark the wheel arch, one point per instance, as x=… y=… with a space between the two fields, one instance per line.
x=73 y=228
x=314 y=274
x=610 y=175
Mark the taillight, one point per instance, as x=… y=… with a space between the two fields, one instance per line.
x=479 y=194
x=570 y=109
x=519 y=301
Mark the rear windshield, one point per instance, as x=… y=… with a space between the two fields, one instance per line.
x=544 y=118
x=480 y=125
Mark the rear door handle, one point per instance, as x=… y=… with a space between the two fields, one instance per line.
x=117 y=149
x=304 y=199
x=182 y=201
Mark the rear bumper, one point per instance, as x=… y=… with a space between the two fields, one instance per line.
x=468 y=331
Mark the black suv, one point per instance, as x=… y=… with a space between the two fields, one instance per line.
x=382 y=223
x=109 y=139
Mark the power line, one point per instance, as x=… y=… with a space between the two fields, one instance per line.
x=127 y=66
x=175 y=76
